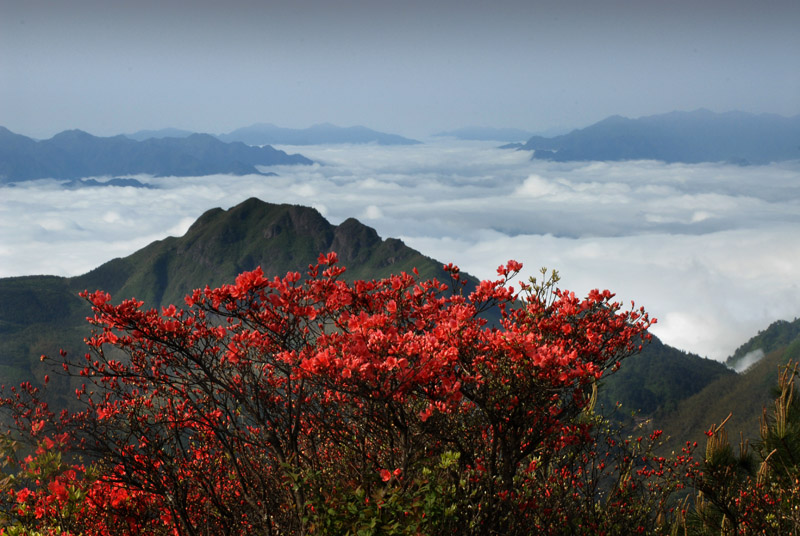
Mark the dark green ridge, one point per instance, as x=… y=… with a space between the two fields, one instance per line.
x=775 y=336
x=742 y=396
x=41 y=314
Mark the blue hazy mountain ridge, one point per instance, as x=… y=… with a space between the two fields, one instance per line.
x=114 y=182
x=75 y=154
x=269 y=134
x=486 y=134
x=142 y=135
x=688 y=137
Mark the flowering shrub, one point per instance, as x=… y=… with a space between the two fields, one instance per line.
x=40 y=490
x=307 y=404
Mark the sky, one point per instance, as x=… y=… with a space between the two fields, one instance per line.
x=412 y=67
x=711 y=250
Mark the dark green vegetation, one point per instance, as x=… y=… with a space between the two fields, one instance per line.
x=690 y=137
x=743 y=396
x=657 y=380
x=75 y=154
x=265 y=133
x=221 y=244
x=683 y=394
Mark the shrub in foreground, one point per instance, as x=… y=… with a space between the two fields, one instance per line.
x=310 y=405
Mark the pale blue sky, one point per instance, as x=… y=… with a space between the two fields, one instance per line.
x=412 y=67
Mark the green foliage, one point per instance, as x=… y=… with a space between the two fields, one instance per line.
x=780 y=430
x=40 y=493
x=390 y=508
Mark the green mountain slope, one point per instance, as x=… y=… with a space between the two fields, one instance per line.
x=743 y=396
x=777 y=335
x=41 y=314
x=658 y=379
x=221 y=244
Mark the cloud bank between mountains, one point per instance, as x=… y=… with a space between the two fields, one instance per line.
x=712 y=250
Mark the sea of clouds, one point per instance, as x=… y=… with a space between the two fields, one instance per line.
x=711 y=250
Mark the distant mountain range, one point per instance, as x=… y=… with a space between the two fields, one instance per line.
x=92 y=183
x=74 y=154
x=265 y=133
x=142 y=135
x=269 y=134
x=689 y=137
x=486 y=134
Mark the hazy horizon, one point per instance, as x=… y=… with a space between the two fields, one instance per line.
x=412 y=68
x=424 y=138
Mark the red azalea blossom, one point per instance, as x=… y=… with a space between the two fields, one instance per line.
x=281 y=405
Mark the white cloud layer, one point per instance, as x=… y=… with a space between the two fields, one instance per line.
x=712 y=250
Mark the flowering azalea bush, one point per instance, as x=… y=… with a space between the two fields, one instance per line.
x=39 y=490
x=308 y=404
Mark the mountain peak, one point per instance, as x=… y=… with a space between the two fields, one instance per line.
x=277 y=237
x=322 y=133
x=73 y=134
x=324 y=126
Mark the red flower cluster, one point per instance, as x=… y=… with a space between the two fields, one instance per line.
x=264 y=402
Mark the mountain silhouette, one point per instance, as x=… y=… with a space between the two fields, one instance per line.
x=689 y=137
x=266 y=133
x=75 y=154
